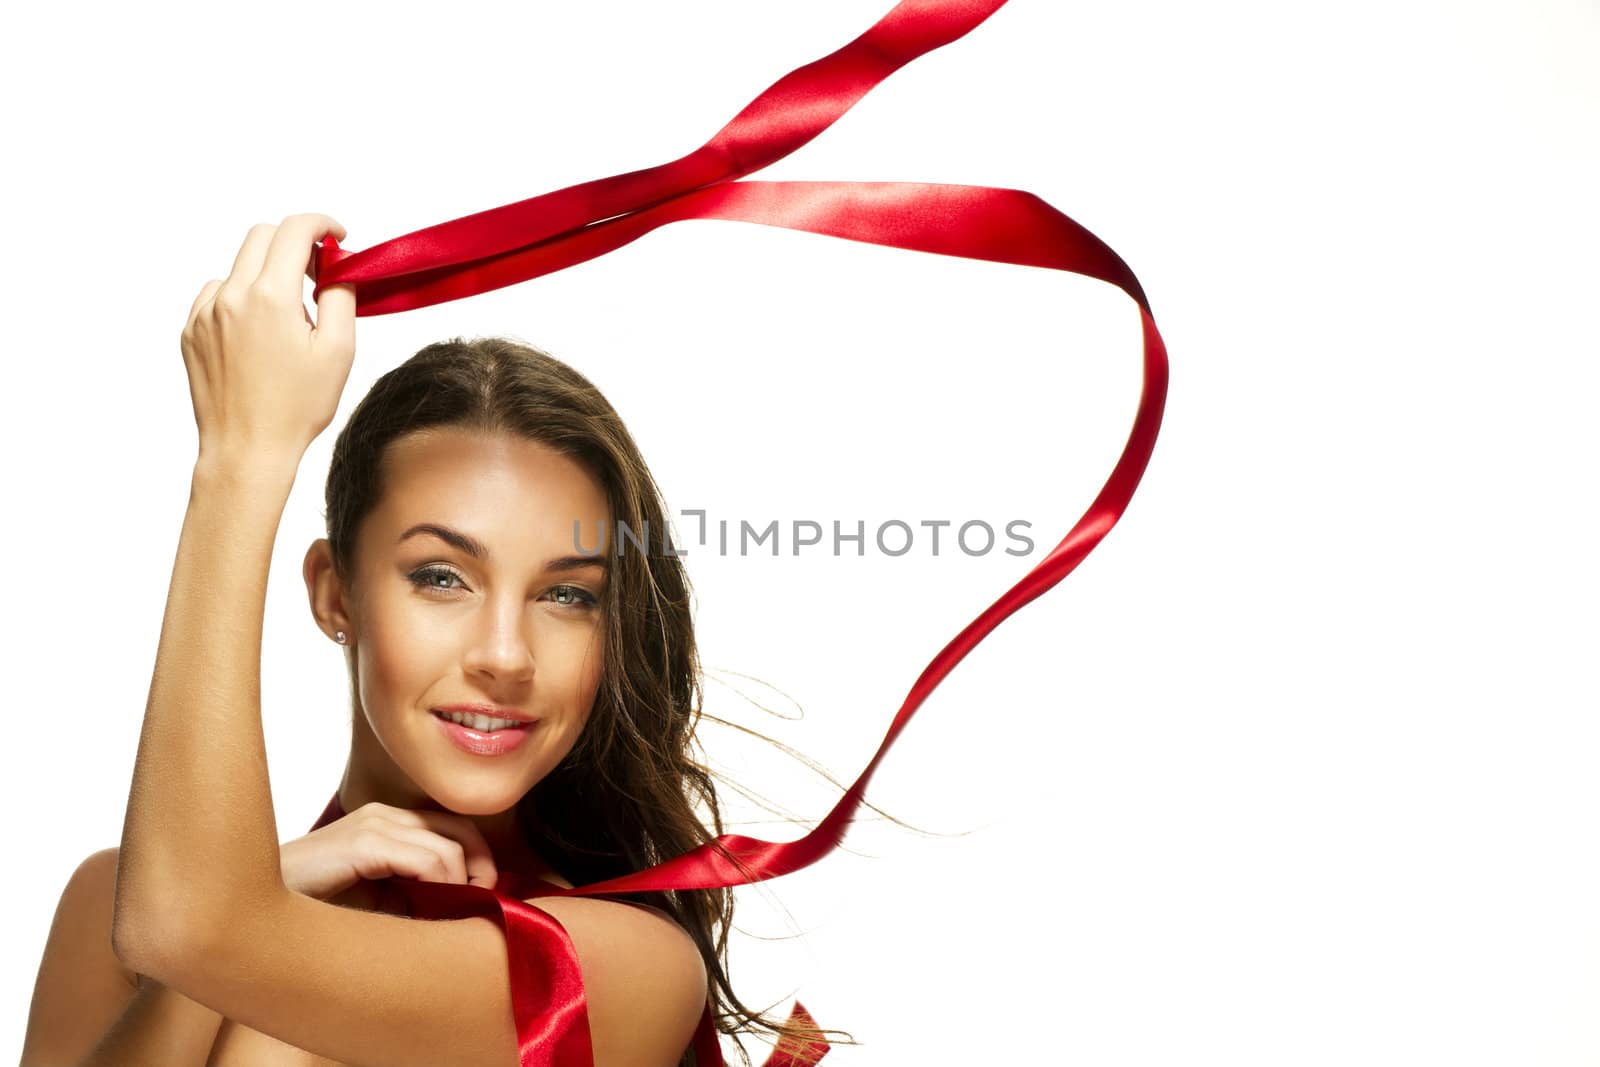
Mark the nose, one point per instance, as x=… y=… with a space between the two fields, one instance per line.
x=500 y=649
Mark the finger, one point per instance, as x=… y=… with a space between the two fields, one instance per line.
x=447 y=849
x=481 y=869
x=207 y=291
x=289 y=255
x=416 y=861
x=252 y=253
x=335 y=329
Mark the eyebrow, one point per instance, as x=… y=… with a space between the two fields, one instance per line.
x=475 y=548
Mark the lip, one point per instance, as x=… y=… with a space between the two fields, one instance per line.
x=493 y=711
x=478 y=743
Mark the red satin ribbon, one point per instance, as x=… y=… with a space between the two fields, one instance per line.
x=546 y=233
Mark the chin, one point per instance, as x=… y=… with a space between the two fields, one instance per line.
x=465 y=795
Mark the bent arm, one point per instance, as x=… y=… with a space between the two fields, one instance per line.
x=199 y=838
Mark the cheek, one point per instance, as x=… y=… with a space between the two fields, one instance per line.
x=396 y=659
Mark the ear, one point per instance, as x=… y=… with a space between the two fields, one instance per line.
x=326 y=592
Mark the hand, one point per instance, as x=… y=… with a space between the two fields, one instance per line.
x=378 y=841
x=262 y=375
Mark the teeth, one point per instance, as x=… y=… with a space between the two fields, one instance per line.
x=480 y=722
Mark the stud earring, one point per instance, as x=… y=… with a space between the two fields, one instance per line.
x=338 y=635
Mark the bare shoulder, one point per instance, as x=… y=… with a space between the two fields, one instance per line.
x=88 y=904
x=642 y=973
x=81 y=987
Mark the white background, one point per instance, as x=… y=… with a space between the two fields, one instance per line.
x=1299 y=767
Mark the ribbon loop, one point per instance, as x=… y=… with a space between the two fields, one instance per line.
x=555 y=230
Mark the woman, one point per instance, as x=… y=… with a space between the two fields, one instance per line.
x=523 y=709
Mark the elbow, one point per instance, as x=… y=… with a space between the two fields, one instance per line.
x=160 y=936
x=180 y=954
x=144 y=949
x=181 y=939
x=130 y=925
x=176 y=931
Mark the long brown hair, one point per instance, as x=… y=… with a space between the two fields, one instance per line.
x=625 y=798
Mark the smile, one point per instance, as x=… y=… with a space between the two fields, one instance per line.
x=495 y=737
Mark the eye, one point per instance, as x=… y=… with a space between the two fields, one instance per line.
x=581 y=599
x=429 y=579
x=426 y=577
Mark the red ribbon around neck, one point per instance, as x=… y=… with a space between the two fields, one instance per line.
x=530 y=238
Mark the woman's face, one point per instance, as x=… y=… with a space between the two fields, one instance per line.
x=516 y=623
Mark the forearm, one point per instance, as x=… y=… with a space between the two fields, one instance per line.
x=199 y=838
x=159 y=1026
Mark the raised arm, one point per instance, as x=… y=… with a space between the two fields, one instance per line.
x=199 y=840
x=201 y=904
